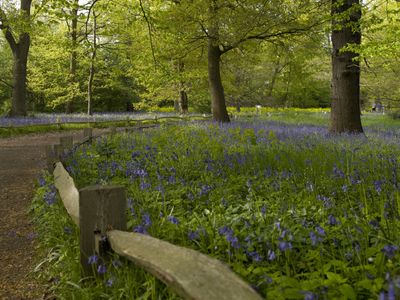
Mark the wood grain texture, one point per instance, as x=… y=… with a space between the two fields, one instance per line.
x=190 y=274
x=67 y=190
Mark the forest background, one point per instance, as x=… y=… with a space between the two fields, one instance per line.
x=136 y=55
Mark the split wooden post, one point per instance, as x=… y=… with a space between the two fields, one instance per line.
x=88 y=134
x=101 y=208
x=51 y=158
x=67 y=142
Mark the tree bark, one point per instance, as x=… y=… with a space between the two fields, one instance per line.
x=218 y=106
x=92 y=66
x=18 y=107
x=345 y=110
x=73 y=55
x=183 y=98
x=20 y=51
x=183 y=102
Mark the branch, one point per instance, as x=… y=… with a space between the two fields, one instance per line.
x=7 y=31
x=266 y=36
x=6 y=83
x=149 y=30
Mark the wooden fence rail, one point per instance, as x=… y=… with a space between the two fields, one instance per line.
x=126 y=121
x=100 y=212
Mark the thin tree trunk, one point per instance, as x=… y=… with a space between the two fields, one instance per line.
x=345 y=112
x=73 y=55
x=183 y=98
x=92 y=66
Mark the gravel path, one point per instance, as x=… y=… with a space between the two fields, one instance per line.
x=21 y=161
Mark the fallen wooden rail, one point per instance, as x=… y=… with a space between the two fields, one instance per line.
x=100 y=212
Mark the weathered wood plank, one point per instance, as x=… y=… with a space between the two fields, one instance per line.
x=67 y=190
x=190 y=274
x=101 y=208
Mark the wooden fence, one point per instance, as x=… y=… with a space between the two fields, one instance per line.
x=100 y=213
x=122 y=122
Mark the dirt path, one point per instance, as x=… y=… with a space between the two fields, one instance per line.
x=21 y=161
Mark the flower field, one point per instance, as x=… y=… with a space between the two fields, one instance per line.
x=297 y=213
x=47 y=119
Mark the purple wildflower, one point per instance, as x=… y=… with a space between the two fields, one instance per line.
x=146 y=220
x=283 y=246
x=378 y=186
x=332 y=220
x=50 y=197
x=140 y=229
x=110 y=282
x=93 y=259
x=255 y=256
x=263 y=210
x=193 y=235
x=116 y=263
x=173 y=220
x=42 y=181
x=102 y=269
x=320 y=230
x=234 y=241
x=205 y=190
x=390 y=250
x=271 y=255
x=313 y=238
x=310 y=296
x=374 y=223
x=391 y=292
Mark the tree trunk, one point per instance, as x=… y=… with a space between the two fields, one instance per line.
x=183 y=98
x=345 y=112
x=90 y=85
x=18 y=107
x=183 y=102
x=218 y=106
x=20 y=51
x=73 y=55
x=92 y=67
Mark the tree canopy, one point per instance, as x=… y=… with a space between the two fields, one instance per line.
x=202 y=54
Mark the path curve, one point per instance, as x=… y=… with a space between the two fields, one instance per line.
x=21 y=161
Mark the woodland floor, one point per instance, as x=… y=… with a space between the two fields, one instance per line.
x=21 y=161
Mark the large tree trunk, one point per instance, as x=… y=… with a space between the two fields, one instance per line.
x=73 y=55
x=218 y=106
x=20 y=51
x=18 y=107
x=345 y=112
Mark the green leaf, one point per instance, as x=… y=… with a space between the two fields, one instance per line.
x=348 y=291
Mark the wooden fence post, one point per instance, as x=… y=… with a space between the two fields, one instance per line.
x=101 y=208
x=67 y=142
x=50 y=157
x=88 y=134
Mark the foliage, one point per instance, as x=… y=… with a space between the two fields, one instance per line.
x=59 y=241
x=298 y=213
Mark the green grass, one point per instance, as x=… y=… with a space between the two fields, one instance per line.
x=297 y=213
